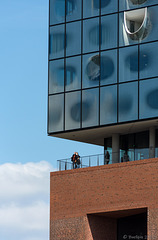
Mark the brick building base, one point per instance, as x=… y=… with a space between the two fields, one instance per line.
x=85 y=204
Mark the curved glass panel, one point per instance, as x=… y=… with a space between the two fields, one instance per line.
x=56 y=113
x=109 y=6
x=108 y=105
x=91 y=8
x=109 y=31
x=73 y=73
x=73 y=10
x=56 y=76
x=148 y=60
x=108 y=67
x=91 y=35
x=148 y=98
x=73 y=33
x=72 y=110
x=131 y=4
x=90 y=107
x=56 y=42
x=57 y=11
x=91 y=70
x=128 y=101
x=128 y=64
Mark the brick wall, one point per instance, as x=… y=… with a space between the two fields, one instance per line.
x=76 y=193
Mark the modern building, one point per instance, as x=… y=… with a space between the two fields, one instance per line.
x=103 y=89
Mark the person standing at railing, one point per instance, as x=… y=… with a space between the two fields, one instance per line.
x=75 y=160
x=107 y=158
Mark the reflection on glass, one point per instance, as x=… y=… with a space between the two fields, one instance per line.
x=72 y=110
x=73 y=33
x=73 y=9
x=108 y=67
x=57 y=11
x=148 y=60
x=128 y=64
x=90 y=107
x=137 y=2
x=109 y=31
x=136 y=24
x=149 y=98
x=56 y=76
x=73 y=73
x=56 y=113
x=91 y=70
x=128 y=101
x=91 y=8
x=91 y=35
x=56 y=42
x=108 y=105
x=130 y=4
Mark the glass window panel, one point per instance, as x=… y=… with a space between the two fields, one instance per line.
x=108 y=67
x=128 y=101
x=56 y=76
x=91 y=8
x=73 y=73
x=148 y=101
x=129 y=4
x=108 y=105
x=73 y=9
x=90 y=107
x=128 y=64
x=109 y=31
x=57 y=11
x=91 y=70
x=56 y=42
x=56 y=113
x=91 y=35
x=73 y=33
x=109 y=6
x=72 y=110
x=148 y=60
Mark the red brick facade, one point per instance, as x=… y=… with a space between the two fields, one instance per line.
x=81 y=200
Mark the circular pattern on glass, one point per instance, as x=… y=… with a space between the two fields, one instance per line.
x=125 y=104
x=93 y=68
x=131 y=61
x=152 y=99
x=138 y=2
x=75 y=111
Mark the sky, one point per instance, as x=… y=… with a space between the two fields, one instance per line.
x=27 y=154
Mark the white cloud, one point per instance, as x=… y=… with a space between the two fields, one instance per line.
x=24 y=201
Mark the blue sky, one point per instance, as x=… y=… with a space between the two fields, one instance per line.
x=27 y=154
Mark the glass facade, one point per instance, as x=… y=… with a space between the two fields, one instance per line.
x=102 y=63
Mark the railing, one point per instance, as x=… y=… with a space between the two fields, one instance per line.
x=115 y=157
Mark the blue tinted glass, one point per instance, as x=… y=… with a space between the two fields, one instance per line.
x=73 y=9
x=56 y=42
x=56 y=76
x=131 y=4
x=57 y=11
x=108 y=105
x=128 y=64
x=73 y=33
x=73 y=73
x=91 y=70
x=72 y=110
x=148 y=60
x=109 y=31
x=91 y=8
x=56 y=113
x=90 y=107
x=109 y=6
x=128 y=101
x=148 y=101
x=91 y=35
x=108 y=67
